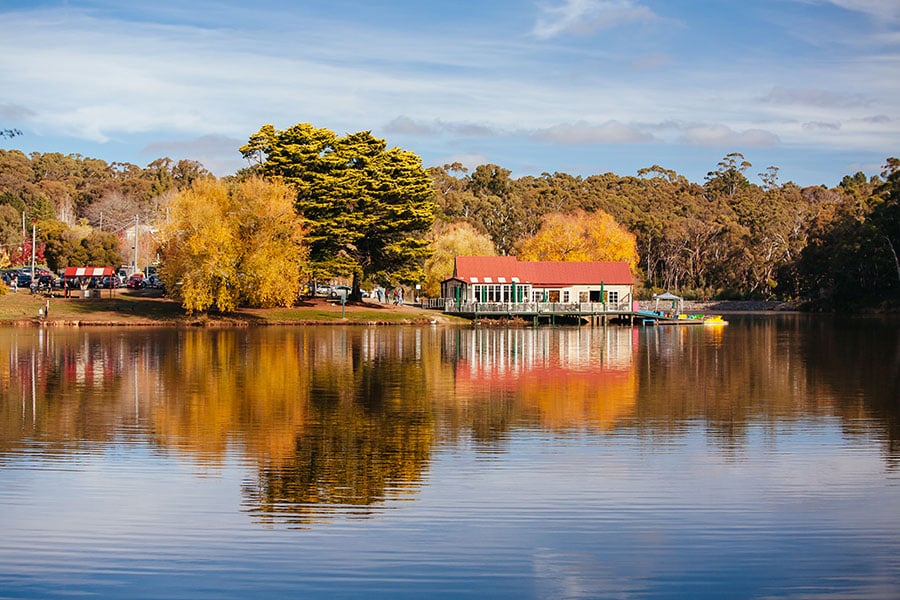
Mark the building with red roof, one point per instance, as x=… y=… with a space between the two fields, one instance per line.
x=506 y=279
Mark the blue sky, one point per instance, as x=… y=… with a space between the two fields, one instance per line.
x=575 y=86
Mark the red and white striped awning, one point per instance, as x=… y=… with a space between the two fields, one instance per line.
x=89 y=272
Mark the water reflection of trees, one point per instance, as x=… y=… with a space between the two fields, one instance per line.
x=770 y=370
x=369 y=432
x=342 y=419
x=856 y=365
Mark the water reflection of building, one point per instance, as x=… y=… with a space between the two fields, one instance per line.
x=566 y=377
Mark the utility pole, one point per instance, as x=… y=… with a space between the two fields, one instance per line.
x=134 y=265
x=33 y=232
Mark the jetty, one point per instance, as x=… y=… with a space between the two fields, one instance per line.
x=595 y=313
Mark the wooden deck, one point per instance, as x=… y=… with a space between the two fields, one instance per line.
x=600 y=312
x=541 y=310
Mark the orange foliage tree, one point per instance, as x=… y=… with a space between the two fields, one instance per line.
x=456 y=239
x=580 y=236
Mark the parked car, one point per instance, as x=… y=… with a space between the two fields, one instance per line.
x=340 y=290
x=136 y=281
x=110 y=282
x=48 y=281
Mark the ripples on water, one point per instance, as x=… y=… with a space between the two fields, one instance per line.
x=755 y=461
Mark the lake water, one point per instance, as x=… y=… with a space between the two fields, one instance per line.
x=756 y=460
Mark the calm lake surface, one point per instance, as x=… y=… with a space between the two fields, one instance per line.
x=756 y=460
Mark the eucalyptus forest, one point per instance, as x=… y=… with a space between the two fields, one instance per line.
x=363 y=213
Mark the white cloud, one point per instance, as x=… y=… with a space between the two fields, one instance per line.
x=722 y=136
x=407 y=126
x=467 y=160
x=480 y=90
x=218 y=153
x=821 y=126
x=611 y=132
x=583 y=17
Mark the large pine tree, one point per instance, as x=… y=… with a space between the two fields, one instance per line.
x=368 y=208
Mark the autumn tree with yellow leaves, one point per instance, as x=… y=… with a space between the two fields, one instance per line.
x=450 y=241
x=233 y=244
x=580 y=236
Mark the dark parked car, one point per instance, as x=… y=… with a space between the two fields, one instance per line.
x=110 y=282
x=136 y=281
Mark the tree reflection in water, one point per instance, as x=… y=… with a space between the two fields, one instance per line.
x=335 y=420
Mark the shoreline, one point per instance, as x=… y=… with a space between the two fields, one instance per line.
x=149 y=309
x=722 y=307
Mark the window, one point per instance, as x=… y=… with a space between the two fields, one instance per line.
x=565 y=296
x=614 y=297
x=583 y=296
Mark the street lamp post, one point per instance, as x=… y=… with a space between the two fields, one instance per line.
x=33 y=233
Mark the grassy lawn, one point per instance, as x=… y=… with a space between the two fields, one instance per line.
x=148 y=307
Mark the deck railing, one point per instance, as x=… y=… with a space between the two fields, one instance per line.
x=535 y=308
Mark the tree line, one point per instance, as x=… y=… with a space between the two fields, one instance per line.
x=727 y=238
x=313 y=205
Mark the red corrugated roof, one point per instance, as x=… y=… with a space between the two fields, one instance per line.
x=574 y=273
x=481 y=267
x=478 y=269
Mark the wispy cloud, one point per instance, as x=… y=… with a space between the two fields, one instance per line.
x=583 y=17
x=15 y=112
x=725 y=137
x=611 y=132
x=99 y=75
x=407 y=126
x=880 y=9
x=821 y=126
x=877 y=119
x=816 y=97
x=652 y=61
x=217 y=153
x=468 y=161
